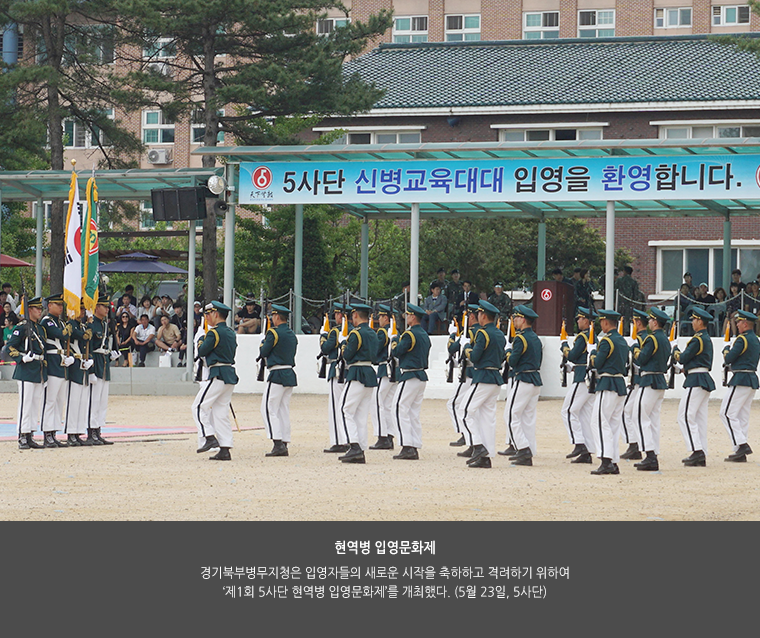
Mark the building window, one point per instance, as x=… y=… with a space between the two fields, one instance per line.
x=672 y=18
x=410 y=29
x=77 y=134
x=541 y=25
x=198 y=128
x=724 y=16
x=328 y=25
x=157 y=128
x=462 y=27
x=706 y=130
x=160 y=49
x=47 y=209
x=596 y=24
x=379 y=137
x=549 y=134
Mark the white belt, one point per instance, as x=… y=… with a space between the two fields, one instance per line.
x=361 y=364
x=698 y=371
x=280 y=367
x=524 y=371
x=220 y=365
x=404 y=370
x=56 y=351
x=102 y=351
x=649 y=373
x=612 y=376
x=732 y=370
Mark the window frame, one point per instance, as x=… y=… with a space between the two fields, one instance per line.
x=464 y=31
x=194 y=126
x=540 y=29
x=411 y=33
x=88 y=134
x=596 y=26
x=666 y=17
x=721 y=16
x=160 y=127
x=551 y=129
x=716 y=125
x=334 y=22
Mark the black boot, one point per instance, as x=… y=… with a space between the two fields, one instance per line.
x=49 y=440
x=92 y=438
x=59 y=443
x=280 y=448
x=408 y=453
x=481 y=461
x=607 y=467
x=510 y=451
x=697 y=459
x=740 y=455
x=210 y=443
x=577 y=451
x=523 y=457
x=458 y=443
x=337 y=448
x=73 y=440
x=478 y=452
x=649 y=464
x=632 y=453
x=354 y=455
x=583 y=458
x=23 y=444
x=31 y=442
x=466 y=453
x=100 y=438
x=383 y=443
x=222 y=455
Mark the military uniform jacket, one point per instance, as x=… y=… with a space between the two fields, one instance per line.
x=609 y=361
x=487 y=354
x=697 y=354
x=100 y=348
x=633 y=347
x=329 y=346
x=454 y=347
x=78 y=349
x=360 y=352
x=279 y=349
x=34 y=371
x=381 y=358
x=652 y=359
x=525 y=357
x=578 y=356
x=743 y=357
x=55 y=345
x=218 y=347
x=412 y=351
x=503 y=302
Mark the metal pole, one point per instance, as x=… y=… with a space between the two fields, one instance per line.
x=38 y=255
x=298 y=274
x=414 y=254
x=541 y=265
x=727 y=254
x=609 y=267
x=364 y=285
x=190 y=300
x=229 y=261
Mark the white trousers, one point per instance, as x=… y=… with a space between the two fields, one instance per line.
x=630 y=426
x=338 y=434
x=205 y=427
x=215 y=409
x=354 y=407
x=29 y=404
x=75 y=421
x=97 y=402
x=647 y=414
x=477 y=414
x=692 y=417
x=382 y=408
x=607 y=420
x=520 y=414
x=576 y=415
x=734 y=412
x=455 y=401
x=507 y=421
x=53 y=404
x=407 y=405
x=275 y=410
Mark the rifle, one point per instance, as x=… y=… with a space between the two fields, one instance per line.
x=341 y=360
x=462 y=355
x=321 y=357
x=671 y=360
x=505 y=372
x=563 y=365
x=261 y=360
x=591 y=371
x=726 y=367
x=392 y=363
x=450 y=361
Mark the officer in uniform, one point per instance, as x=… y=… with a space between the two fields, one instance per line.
x=412 y=352
x=576 y=410
x=359 y=352
x=218 y=348
x=524 y=357
x=652 y=359
x=454 y=347
x=75 y=420
x=453 y=289
x=697 y=360
x=58 y=360
x=742 y=358
x=278 y=349
x=382 y=397
x=329 y=344
x=26 y=347
x=477 y=410
x=100 y=374
x=630 y=428
x=503 y=302
x=608 y=360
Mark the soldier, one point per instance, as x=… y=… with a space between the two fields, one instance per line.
x=477 y=409
x=57 y=360
x=652 y=359
x=628 y=289
x=26 y=347
x=75 y=422
x=742 y=358
x=452 y=291
x=412 y=351
x=503 y=302
x=359 y=352
x=576 y=410
x=609 y=362
x=218 y=348
x=382 y=398
x=455 y=344
x=278 y=349
x=329 y=344
x=100 y=376
x=697 y=361
x=524 y=357
x=630 y=429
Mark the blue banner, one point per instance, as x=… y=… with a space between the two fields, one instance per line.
x=590 y=179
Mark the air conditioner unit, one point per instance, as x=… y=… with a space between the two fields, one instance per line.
x=159 y=156
x=162 y=68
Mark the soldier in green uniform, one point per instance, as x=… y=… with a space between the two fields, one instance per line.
x=412 y=352
x=382 y=397
x=464 y=375
x=278 y=349
x=630 y=429
x=102 y=352
x=58 y=360
x=218 y=348
x=26 y=347
x=524 y=358
x=741 y=357
x=453 y=290
x=628 y=289
x=652 y=359
x=359 y=352
x=477 y=410
x=608 y=360
x=75 y=421
x=329 y=344
x=503 y=302
x=696 y=360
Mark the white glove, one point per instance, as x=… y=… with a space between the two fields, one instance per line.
x=591 y=349
x=67 y=361
x=93 y=379
x=678 y=368
x=87 y=364
x=630 y=341
x=465 y=342
x=28 y=357
x=115 y=355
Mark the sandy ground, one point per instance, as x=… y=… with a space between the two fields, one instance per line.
x=162 y=478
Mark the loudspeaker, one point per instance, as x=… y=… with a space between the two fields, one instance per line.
x=171 y=204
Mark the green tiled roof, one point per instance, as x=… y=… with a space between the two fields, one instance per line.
x=572 y=71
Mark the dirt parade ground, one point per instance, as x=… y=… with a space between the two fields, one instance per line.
x=159 y=476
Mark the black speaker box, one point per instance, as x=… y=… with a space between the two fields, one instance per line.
x=171 y=204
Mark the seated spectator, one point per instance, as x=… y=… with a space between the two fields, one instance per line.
x=10 y=297
x=452 y=291
x=751 y=302
x=146 y=308
x=733 y=303
x=687 y=279
x=9 y=323
x=159 y=311
x=483 y=295
x=685 y=298
x=127 y=306
x=465 y=298
x=702 y=295
x=180 y=321
x=168 y=338
x=197 y=316
x=736 y=278
x=248 y=318
x=435 y=307
x=720 y=298
x=144 y=337
x=130 y=290
x=168 y=305
x=124 y=339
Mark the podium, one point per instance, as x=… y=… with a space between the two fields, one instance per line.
x=553 y=301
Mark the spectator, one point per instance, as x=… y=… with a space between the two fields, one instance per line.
x=125 y=336
x=685 y=298
x=130 y=290
x=144 y=337
x=11 y=297
x=465 y=298
x=483 y=295
x=435 y=307
x=9 y=322
x=627 y=289
x=248 y=318
x=703 y=296
x=168 y=337
x=5 y=308
x=720 y=298
x=736 y=278
x=503 y=302
x=127 y=306
x=733 y=303
x=584 y=291
x=197 y=315
x=751 y=302
x=452 y=291
x=182 y=299
x=180 y=321
x=440 y=278
x=146 y=308
x=687 y=279
x=168 y=305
